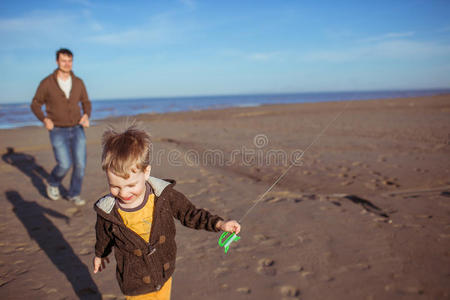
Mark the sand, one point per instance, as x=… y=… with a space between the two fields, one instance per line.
x=364 y=214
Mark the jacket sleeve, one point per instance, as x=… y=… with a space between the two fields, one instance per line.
x=85 y=102
x=38 y=101
x=104 y=239
x=188 y=214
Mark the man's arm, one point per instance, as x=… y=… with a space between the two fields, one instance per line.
x=39 y=100
x=86 y=105
x=85 y=102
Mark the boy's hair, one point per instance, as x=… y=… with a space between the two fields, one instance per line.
x=125 y=152
x=63 y=51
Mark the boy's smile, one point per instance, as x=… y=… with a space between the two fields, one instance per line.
x=130 y=191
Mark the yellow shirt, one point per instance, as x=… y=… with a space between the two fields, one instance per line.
x=140 y=219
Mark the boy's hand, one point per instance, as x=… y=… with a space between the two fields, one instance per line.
x=229 y=226
x=99 y=264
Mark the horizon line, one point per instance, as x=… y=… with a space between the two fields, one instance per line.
x=443 y=89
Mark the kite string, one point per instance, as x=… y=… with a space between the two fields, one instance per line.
x=292 y=164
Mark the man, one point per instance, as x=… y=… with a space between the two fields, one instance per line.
x=61 y=93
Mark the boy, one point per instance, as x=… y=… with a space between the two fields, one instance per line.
x=137 y=218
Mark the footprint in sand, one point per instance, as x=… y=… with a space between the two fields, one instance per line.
x=20 y=267
x=5 y=281
x=34 y=285
x=244 y=290
x=294 y=269
x=356 y=164
x=289 y=291
x=391 y=183
x=266 y=267
x=260 y=237
x=266 y=241
x=221 y=271
x=382 y=158
x=370 y=185
x=214 y=199
x=404 y=290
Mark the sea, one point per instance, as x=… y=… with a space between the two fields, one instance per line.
x=14 y=115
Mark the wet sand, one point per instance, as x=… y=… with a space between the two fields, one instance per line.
x=364 y=214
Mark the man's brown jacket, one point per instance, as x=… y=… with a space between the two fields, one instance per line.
x=62 y=111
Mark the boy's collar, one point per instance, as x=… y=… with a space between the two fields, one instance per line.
x=106 y=204
x=158 y=185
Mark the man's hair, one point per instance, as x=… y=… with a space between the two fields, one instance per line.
x=63 y=51
x=125 y=152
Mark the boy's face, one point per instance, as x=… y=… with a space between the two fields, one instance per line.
x=129 y=191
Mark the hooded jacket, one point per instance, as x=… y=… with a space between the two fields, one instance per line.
x=144 y=267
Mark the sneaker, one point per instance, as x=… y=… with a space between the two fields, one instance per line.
x=53 y=192
x=77 y=200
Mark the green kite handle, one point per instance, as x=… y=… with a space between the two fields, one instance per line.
x=228 y=240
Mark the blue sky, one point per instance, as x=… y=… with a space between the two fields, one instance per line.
x=127 y=49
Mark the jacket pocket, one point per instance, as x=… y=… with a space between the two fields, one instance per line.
x=166 y=269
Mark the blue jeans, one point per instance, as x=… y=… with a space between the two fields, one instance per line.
x=69 y=147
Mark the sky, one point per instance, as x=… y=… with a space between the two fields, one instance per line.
x=134 y=49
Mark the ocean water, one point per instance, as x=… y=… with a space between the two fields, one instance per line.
x=15 y=115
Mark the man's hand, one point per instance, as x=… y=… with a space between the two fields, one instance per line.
x=99 y=264
x=84 y=121
x=48 y=124
x=229 y=226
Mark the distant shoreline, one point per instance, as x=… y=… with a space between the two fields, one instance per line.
x=18 y=115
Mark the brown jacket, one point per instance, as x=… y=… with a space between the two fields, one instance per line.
x=144 y=267
x=62 y=111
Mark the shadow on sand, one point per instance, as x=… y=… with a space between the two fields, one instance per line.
x=367 y=205
x=52 y=242
x=27 y=165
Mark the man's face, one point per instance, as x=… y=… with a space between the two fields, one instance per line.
x=64 y=63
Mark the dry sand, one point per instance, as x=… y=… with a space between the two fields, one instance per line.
x=364 y=215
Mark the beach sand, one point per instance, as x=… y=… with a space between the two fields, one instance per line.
x=364 y=214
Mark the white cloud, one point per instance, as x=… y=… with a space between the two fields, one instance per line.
x=412 y=49
x=263 y=56
x=34 y=23
x=96 y=26
x=37 y=30
x=392 y=49
x=189 y=3
x=160 y=29
x=86 y=3
x=444 y=29
x=253 y=56
x=388 y=36
x=128 y=37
